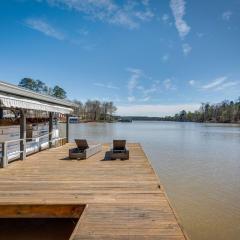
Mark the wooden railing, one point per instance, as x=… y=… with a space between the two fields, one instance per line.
x=56 y=142
x=4 y=160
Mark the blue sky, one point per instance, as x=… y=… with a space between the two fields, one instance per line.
x=150 y=57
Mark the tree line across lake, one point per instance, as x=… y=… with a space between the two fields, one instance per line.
x=92 y=110
x=224 y=112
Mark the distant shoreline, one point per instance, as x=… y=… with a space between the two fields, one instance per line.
x=163 y=119
x=152 y=119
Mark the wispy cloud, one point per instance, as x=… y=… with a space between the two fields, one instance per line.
x=167 y=83
x=135 y=88
x=186 y=49
x=216 y=83
x=133 y=80
x=200 y=34
x=192 y=82
x=165 y=57
x=145 y=2
x=227 y=85
x=44 y=27
x=148 y=91
x=131 y=99
x=165 y=18
x=227 y=15
x=156 y=110
x=178 y=10
x=145 y=99
x=220 y=83
x=129 y=14
x=108 y=85
x=83 y=31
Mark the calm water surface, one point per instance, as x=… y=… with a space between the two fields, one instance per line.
x=198 y=164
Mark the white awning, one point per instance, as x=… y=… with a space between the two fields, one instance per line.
x=14 y=102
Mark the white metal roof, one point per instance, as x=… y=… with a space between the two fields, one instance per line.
x=24 y=103
x=16 y=91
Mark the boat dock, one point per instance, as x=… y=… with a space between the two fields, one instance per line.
x=117 y=199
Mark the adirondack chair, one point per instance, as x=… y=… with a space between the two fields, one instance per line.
x=119 y=150
x=83 y=150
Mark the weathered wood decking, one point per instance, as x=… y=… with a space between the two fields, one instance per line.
x=123 y=198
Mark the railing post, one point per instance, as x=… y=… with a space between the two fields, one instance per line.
x=24 y=152
x=38 y=144
x=4 y=161
x=50 y=129
x=23 y=129
x=67 y=128
x=1 y=113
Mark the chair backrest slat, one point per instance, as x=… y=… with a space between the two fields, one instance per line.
x=81 y=144
x=119 y=144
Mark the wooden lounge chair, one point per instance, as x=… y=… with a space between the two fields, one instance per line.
x=119 y=150
x=83 y=150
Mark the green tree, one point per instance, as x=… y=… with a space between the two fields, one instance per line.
x=28 y=83
x=183 y=116
x=78 y=109
x=59 y=92
x=41 y=87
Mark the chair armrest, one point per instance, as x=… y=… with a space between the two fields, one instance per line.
x=93 y=149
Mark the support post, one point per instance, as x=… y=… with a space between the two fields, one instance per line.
x=50 y=131
x=67 y=128
x=4 y=161
x=1 y=113
x=23 y=129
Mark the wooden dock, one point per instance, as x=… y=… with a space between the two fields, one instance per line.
x=123 y=199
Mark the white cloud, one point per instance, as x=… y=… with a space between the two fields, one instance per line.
x=200 y=34
x=178 y=10
x=165 y=18
x=133 y=80
x=216 y=83
x=156 y=110
x=148 y=91
x=167 y=83
x=220 y=83
x=132 y=83
x=121 y=18
x=135 y=71
x=131 y=99
x=227 y=15
x=165 y=57
x=108 y=85
x=186 y=49
x=227 y=85
x=144 y=15
x=129 y=14
x=83 y=31
x=145 y=2
x=192 y=82
x=136 y=89
x=146 y=99
x=44 y=27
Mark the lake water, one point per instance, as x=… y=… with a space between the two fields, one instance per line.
x=198 y=165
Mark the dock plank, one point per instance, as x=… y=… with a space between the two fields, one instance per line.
x=124 y=199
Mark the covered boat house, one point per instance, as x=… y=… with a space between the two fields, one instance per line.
x=29 y=122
